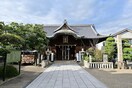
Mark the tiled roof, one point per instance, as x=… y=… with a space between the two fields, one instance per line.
x=122 y=31
x=85 y=31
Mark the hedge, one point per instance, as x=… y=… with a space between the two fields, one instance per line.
x=11 y=71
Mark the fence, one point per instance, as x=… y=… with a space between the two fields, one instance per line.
x=98 y=65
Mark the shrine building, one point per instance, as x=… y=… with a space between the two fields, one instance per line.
x=66 y=40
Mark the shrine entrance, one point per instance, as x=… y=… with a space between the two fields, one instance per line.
x=65 y=52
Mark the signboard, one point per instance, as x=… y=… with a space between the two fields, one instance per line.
x=13 y=56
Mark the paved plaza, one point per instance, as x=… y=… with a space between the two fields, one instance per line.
x=113 y=78
x=65 y=75
x=28 y=74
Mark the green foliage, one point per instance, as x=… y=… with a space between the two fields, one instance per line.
x=85 y=57
x=23 y=36
x=91 y=51
x=110 y=48
x=95 y=53
x=127 y=50
x=8 y=38
x=38 y=38
x=11 y=71
x=35 y=37
x=125 y=43
x=110 y=39
x=98 y=55
x=4 y=51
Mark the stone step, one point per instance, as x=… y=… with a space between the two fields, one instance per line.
x=65 y=62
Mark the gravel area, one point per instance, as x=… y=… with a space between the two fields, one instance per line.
x=113 y=78
x=28 y=73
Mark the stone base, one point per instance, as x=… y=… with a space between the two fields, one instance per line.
x=86 y=64
x=44 y=63
x=120 y=65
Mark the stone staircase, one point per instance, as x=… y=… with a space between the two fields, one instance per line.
x=65 y=62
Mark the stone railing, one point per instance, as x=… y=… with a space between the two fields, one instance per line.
x=99 y=65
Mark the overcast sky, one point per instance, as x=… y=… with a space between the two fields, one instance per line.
x=108 y=16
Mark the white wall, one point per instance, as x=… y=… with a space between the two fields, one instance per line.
x=99 y=45
x=127 y=35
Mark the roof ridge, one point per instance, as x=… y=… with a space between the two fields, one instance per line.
x=69 y=25
x=81 y=25
x=121 y=31
x=51 y=24
x=64 y=24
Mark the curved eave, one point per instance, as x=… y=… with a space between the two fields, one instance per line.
x=96 y=37
x=80 y=37
x=64 y=32
x=60 y=28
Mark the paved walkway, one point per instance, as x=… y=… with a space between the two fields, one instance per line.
x=65 y=76
x=28 y=73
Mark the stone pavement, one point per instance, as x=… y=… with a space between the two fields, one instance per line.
x=113 y=78
x=65 y=75
x=28 y=74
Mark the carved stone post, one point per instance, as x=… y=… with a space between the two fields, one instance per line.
x=119 y=51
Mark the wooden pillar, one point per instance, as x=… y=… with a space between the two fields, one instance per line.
x=119 y=51
x=68 y=52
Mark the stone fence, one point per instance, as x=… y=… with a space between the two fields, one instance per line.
x=106 y=65
x=99 y=65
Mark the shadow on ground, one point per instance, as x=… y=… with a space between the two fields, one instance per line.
x=28 y=74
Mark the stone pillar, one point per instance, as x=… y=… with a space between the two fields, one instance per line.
x=48 y=52
x=105 y=57
x=90 y=59
x=77 y=55
x=119 y=51
x=52 y=57
x=38 y=59
x=42 y=57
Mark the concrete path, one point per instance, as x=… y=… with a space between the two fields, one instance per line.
x=60 y=75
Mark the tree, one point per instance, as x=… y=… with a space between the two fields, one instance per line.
x=127 y=50
x=33 y=34
x=7 y=37
x=37 y=40
x=98 y=55
x=110 y=48
x=10 y=39
x=91 y=51
x=24 y=36
x=95 y=53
